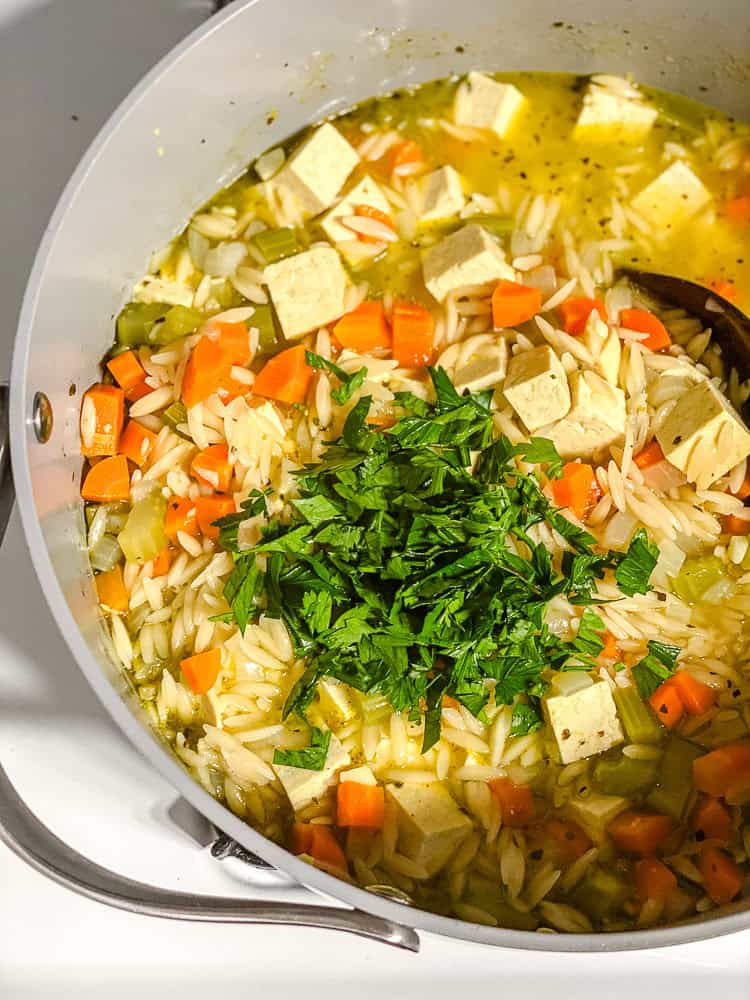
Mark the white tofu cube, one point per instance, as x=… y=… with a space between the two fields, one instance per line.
x=315 y=173
x=302 y=786
x=703 y=435
x=469 y=256
x=536 y=386
x=596 y=419
x=485 y=367
x=584 y=723
x=430 y=825
x=482 y=102
x=607 y=116
x=367 y=193
x=307 y=290
x=442 y=195
x=595 y=813
x=335 y=701
x=359 y=776
x=605 y=347
x=672 y=199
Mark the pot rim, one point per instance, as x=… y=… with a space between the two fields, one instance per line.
x=144 y=740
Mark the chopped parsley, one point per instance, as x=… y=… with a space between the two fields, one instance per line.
x=408 y=565
x=656 y=667
x=312 y=758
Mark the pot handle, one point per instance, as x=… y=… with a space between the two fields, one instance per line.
x=34 y=843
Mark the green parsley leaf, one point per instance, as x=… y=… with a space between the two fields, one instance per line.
x=525 y=719
x=655 y=668
x=312 y=758
x=349 y=383
x=635 y=569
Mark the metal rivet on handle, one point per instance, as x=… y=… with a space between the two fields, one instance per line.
x=41 y=418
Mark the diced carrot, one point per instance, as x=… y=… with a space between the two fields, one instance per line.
x=738 y=209
x=516 y=801
x=108 y=480
x=650 y=455
x=449 y=702
x=726 y=289
x=611 y=649
x=300 y=838
x=695 y=696
x=285 y=377
x=639 y=833
x=716 y=772
x=733 y=525
x=317 y=841
x=212 y=466
x=406 y=158
x=160 y=565
x=643 y=321
x=369 y=212
x=233 y=338
x=102 y=417
x=513 y=303
x=654 y=880
x=667 y=704
x=201 y=670
x=381 y=421
x=111 y=591
x=712 y=819
x=722 y=878
x=744 y=491
x=181 y=516
x=360 y=805
x=575 y=313
x=210 y=509
x=207 y=367
x=136 y=442
x=364 y=328
x=138 y=391
x=128 y=372
x=413 y=335
x=577 y=489
x=570 y=838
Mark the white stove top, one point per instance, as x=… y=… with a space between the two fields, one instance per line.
x=64 y=65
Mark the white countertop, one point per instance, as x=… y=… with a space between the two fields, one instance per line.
x=64 y=64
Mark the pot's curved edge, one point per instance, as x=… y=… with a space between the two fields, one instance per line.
x=143 y=739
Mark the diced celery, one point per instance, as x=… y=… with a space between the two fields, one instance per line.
x=262 y=319
x=697 y=576
x=674 y=788
x=177 y=323
x=227 y=295
x=175 y=414
x=143 y=536
x=375 y=708
x=105 y=554
x=601 y=893
x=135 y=321
x=616 y=774
x=678 y=111
x=275 y=244
x=487 y=895
x=138 y=616
x=637 y=718
x=89 y=512
x=498 y=225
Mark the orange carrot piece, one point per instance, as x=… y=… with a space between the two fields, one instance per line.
x=643 y=321
x=733 y=525
x=449 y=702
x=364 y=328
x=102 y=417
x=360 y=805
x=654 y=880
x=201 y=670
x=639 y=833
x=212 y=466
x=210 y=509
x=516 y=801
x=136 y=442
x=207 y=367
x=407 y=158
x=513 y=303
x=578 y=489
x=127 y=371
x=650 y=455
x=233 y=338
x=667 y=704
x=108 y=480
x=738 y=209
x=716 y=772
x=138 y=391
x=575 y=313
x=744 y=491
x=111 y=591
x=369 y=212
x=413 y=335
x=611 y=649
x=712 y=819
x=695 y=696
x=571 y=840
x=319 y=843
x=285 y=378
x=726 y=289
x=722 y=878
x=300 y=838
x=181 y=516
x=160 y=565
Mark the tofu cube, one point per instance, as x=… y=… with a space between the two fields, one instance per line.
x=302 y=786
x=307 y=290
x=596 y=419
x=482 y=102
x=366 y=192
x=607 y=116
x=430 y=824
x=469 y=256
x=584 y=723
x=442 y=195
x=605 y=347
x=485 y=367
x=536 y=387
x=595 y=813
x=335 y=701
x=359 y=776
x=672 y=199
x=315 y=173
x=703 y=435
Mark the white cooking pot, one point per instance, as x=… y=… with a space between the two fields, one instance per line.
x=250 y=77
